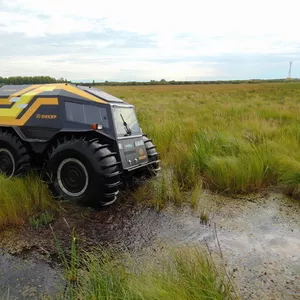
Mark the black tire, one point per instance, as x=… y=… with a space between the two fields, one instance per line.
x=14 y=156
x=92 y=167
x=153 y=156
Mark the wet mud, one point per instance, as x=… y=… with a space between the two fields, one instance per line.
x=259 y=237
x=27 y=278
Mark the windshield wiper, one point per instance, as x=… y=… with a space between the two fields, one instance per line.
x=128 y=131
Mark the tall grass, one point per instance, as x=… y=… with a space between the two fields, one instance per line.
x=173 y=273
x=21 y=199
x=232 y=138
x=169 y=186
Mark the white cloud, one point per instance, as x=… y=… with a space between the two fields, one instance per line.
x=33 y=26
x=208 y=28
x=142 y=70
x=192 y=16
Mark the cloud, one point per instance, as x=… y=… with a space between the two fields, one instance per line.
x=134 y=40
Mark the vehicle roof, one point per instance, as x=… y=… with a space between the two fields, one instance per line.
x=86 y=92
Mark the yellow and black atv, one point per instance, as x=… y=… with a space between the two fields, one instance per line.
x=85 y=140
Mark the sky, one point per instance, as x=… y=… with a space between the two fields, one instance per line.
x=149 y=40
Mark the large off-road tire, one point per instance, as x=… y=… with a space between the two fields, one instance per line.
x=153 y=156
x=83 y=171
x=14 y=156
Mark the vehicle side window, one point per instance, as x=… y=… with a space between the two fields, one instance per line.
x=86 y=114
x=95 y=114
x=75 y=112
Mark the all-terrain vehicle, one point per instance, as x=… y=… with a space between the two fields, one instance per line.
x=86 y=141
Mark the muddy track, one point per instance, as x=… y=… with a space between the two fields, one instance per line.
x=259 y=237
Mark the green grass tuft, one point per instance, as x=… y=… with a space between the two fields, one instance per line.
x=22 y=199
x=289 y=170
x=172 y=273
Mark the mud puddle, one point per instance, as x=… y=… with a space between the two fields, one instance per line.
x=259 y=238
x=260 y=241
x=27 y=278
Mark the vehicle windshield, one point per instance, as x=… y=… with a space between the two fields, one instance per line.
x=125 y=121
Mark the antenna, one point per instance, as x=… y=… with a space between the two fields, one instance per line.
x=290 y=70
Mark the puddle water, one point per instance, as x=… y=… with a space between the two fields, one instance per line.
x=27 y=279
x=260 y=240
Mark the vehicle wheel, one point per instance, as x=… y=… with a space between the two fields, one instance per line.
x=154 y=168
x=83 y=171
x=14 y=156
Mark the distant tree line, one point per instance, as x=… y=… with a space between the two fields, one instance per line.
x=174 y=82
x=30 y=80
x=48 y=79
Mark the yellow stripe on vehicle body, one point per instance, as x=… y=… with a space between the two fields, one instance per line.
x=26 y=95
x=25 y=99
x=4 y=101
x=79 y=92
x=29 y=113
x=17 y=94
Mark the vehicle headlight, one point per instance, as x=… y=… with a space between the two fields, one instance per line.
x=139 y=143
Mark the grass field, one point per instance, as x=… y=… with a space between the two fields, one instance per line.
x=234 y=138
x=230 y=138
